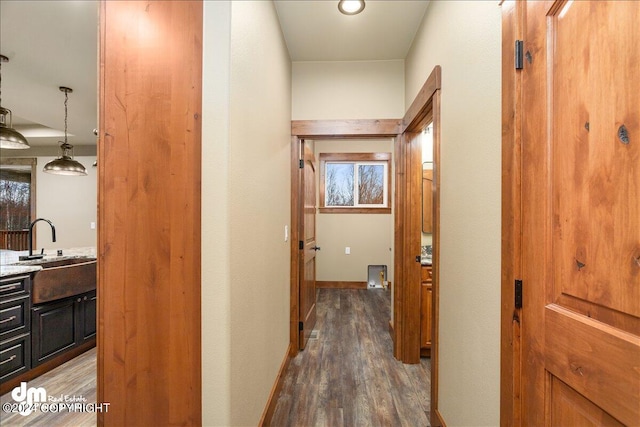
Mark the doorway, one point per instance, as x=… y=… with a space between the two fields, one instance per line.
x=407 y=219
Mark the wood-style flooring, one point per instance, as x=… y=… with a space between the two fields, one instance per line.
x=348 y=376
x=77 y=378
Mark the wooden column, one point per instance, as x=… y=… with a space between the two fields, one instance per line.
x=149 y=162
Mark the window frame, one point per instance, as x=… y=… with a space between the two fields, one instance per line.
x=356 y=159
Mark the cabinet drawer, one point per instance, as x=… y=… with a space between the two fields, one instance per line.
x=14 y=316
x=426 y=274
x=16 y=284
x=15 y=356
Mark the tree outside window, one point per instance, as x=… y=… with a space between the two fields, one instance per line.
x=354 y=182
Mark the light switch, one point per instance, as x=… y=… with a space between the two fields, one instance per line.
x=286 y=233
x=347 y=250
x=92 y=225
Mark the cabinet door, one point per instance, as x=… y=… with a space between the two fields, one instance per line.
x=53 y=329
x=425 y=316
x=86 y=305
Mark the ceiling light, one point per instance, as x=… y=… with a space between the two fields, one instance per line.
x=65 y=164
x=351 y=7
x=9 y=137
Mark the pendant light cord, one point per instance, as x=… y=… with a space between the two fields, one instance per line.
x=66 y=98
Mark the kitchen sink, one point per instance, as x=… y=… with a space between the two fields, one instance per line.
x=62 y=278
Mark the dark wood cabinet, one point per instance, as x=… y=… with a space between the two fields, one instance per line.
x=15 y=320
x=87 y=310
x=61 y=325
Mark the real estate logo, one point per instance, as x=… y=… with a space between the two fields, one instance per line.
x=28 y=399
x=35 y=399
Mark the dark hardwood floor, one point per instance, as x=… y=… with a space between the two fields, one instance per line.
x=347 y=376
x=76 y=377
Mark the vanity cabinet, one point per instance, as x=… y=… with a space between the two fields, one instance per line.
x=426 y=314
x=61 y=325
x=15 y=326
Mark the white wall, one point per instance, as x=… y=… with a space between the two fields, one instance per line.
x=464 y=38
x=70 y=202
x=245 y=207
x=348 y=90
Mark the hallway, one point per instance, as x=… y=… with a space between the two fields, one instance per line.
x=347 y=376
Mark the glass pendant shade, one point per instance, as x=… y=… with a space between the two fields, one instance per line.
x=65 y=164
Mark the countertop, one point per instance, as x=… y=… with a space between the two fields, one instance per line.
x=11 y=266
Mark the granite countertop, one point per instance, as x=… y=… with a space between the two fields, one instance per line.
x=10 y=264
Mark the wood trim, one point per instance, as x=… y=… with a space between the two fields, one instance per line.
x=354 y=210
x=340 y=285
x=398 y=260
x=435 y=287
x=47 y=366
x=411 y=242
x=437 y=420
x=354 y=157
x=149 y=264
x=510 y=345
x=324 y=129
x=272 y=401
x=416 y=115
x=296 y=212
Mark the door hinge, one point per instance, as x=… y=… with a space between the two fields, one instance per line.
x=301 y=164
x=300 y=326
x=300 y=244
x=519 y=60
x=518 y=293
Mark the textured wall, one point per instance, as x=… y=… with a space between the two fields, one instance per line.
x=464 y=38
x=348 y=90
x=246 y=205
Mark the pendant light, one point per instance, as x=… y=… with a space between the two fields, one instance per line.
x=65 y=164
x=9 y=137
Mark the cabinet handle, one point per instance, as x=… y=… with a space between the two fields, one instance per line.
x=8 y=319
x=8 y=360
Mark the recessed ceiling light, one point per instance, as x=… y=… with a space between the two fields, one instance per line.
x=351 y=7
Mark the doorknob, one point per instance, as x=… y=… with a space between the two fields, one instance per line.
x=316 y=248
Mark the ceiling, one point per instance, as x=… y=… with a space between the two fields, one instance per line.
x=54 y=43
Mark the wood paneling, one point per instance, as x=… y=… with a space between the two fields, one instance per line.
x=149 y=163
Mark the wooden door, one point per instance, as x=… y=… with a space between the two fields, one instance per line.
x=309 y=248
x=580 y=258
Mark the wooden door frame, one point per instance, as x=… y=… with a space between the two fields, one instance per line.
x=318 y=129
x=511 y=250
x=424 y=108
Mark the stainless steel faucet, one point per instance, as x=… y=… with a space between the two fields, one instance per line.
x=53 y=239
